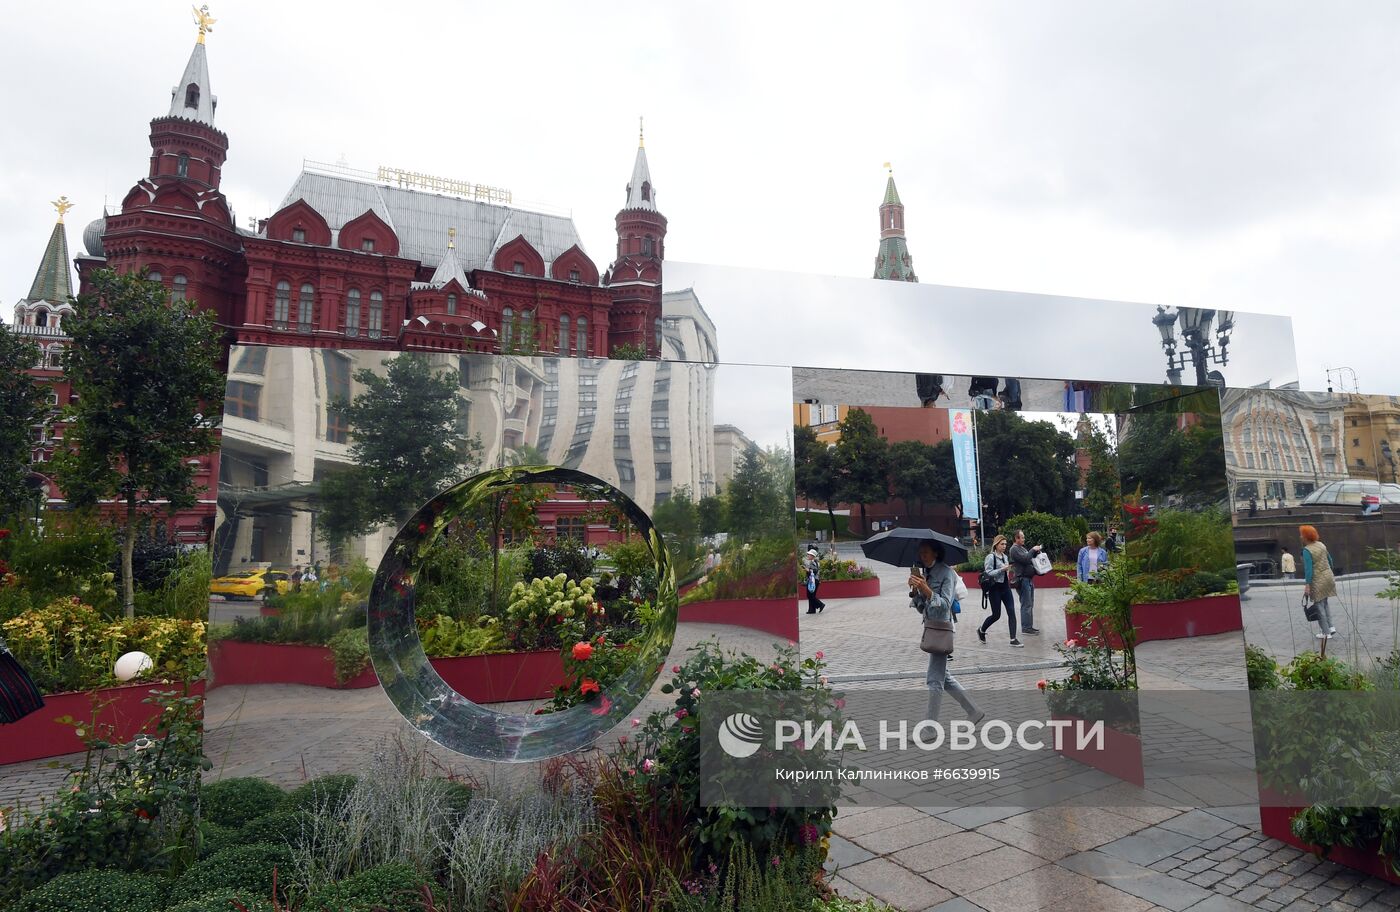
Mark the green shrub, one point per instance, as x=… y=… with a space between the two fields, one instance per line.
x=350 y=652
x=386 y=888
x=244 y=867
x=284 y=825
x=234 y=802
x=223 y=901
x=1041 y=529
x=1310 y=671
x=95 y=891
x=214 y=838
x=444 y=636
x=1188 y=539
x=72 y=556
x=1261 y=669
x=325 y=793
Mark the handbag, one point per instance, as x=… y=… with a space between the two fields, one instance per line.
x=937 y=638
x=1042 y=564
x=1310 y=611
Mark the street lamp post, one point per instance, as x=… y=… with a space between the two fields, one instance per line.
x=1201 y=350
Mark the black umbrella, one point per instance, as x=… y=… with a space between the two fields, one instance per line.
x=900 y=547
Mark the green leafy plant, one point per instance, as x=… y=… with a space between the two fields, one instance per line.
x=245 y=868
x=1181 y=539
x=235 y=802
x=383 y=888
x=1043 y=529
x=754 y=570
x=1261 y=669
x=323 y=794
x=535 y=610
x=350 y=653
x=834 y=570
x=1097 y=685
x=629 y=351
x=95 y=891
x=445 y=637
x=748 y=883
x=130 y=807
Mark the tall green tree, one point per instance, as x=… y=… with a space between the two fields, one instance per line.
x=1168 y=454
x=712 y=514
x=814 y=470
x=923 y=474
x=149 y=389
x=755 y=507
x=678 y=520
x=406 y=445
x=1026 y=466
x=862 y=463
x=23 y=404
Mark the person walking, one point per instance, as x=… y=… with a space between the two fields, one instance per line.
x=932 y=585
x=1091 y=557
x=296 y=578
x=812 y=566
x=1319 y=579
x=1023 y=571
x=996 y=586
x=1287 y=566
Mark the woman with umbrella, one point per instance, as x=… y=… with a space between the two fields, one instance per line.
x=932 y=584
x=932 y=588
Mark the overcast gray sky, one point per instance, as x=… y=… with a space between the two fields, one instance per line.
x=1241 y=155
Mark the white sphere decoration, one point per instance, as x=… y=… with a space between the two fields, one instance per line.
x=131 y=665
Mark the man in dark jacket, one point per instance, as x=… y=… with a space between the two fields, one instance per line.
x=1022 y=559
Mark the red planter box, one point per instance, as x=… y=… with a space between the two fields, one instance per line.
x=1051 y=580
x=843 y=589
x=505 y=677
x=37 y=735
x=1168 y=620
x=1121 y=756
x=481 y=679
x=1276 y=819
x=232 y=662
x=776 y=616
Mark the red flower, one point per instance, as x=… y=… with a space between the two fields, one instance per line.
x=589 y=686
x=143 y=813
x=422 y=528
x=583 y=652
x=808 y=834
x=604 y=705
x=1040 y=683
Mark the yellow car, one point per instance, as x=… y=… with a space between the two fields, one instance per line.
x=251 y=584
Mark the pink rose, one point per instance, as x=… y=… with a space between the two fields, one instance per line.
x=820 y=655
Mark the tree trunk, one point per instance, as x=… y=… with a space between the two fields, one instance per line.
x=832 y=515
x=128 y=546
x=864 y=525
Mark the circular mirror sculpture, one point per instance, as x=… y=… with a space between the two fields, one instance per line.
x=431 y=706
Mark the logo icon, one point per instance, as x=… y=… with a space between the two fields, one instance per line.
x=740 y=735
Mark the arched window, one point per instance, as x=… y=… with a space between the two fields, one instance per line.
x=282 y=305
x=179 y=285
x=507 y=324
x=646 y=190
x=527 y=329
x=41 y=316
x=154 y=276
x=55 y=360
x=182 y=165
x=376 y=314
x=192 y=96
x=647 y=247
x=306 y=301
x=352 y=312
x=452 y=303
x=582 y=348
x=564 y=334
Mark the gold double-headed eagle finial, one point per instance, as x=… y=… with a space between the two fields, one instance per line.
x=888 y=167
x=641 y=134
x=62 y=205
x=203 y=20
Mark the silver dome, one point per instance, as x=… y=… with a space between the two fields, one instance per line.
x=1351 y=492
x=92 y=236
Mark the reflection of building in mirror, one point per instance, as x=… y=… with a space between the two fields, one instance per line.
x=1281 y=445
x=730 y=446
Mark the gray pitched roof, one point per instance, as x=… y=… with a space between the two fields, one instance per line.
x=197 y=74
x=53 y=282
x=641 y=174
x=421 y=219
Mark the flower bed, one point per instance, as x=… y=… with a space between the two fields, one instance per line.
x=495 y=678
x=843 y=589
x=777 y=616
x=1276 y=821
x=1204 y=616
x=120 y=709
x=1052 y=580
x=1121 y=756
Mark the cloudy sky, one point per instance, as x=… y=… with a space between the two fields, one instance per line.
x=1242 y=155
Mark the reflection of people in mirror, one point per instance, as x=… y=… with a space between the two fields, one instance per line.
x=1319 y=579
x=812 y=567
